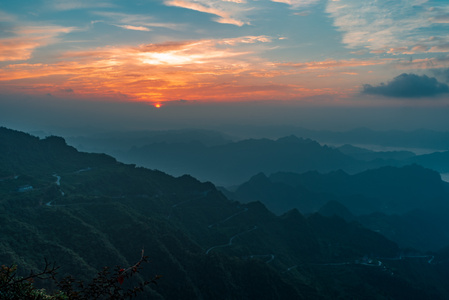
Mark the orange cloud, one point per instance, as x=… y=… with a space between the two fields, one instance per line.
x=131 y=27
x=27 y=39
x=162 y=47
x=332 y=64
x=18 y=48
x=216 y=70
x=224 y=16
x=424 y=63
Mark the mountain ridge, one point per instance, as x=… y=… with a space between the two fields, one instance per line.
x=88 y=210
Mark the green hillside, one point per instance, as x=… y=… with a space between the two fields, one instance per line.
x=85 y=211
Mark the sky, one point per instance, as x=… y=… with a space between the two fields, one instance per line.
x=223 y=59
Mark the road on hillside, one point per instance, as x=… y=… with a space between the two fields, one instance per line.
x=230 y=240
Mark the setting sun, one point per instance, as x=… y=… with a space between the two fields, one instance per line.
x=156 y=124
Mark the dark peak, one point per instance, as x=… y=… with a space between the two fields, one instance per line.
x=245 y=144
x=258 y=181
x=283 y=173
x=293 y=214
x=11 y=133
x=408 y=169
x=415 y=167
x=259 y=177
x=259 y=209
x=333 y=207
x=253 y=141
x=333 y=221
x=293 y=139
x=289 y=138
x=312 y=173
x=55 y=140
x=422 y=170
x=190 y=182
x=350 y=149
x=186 y=178
x=338 y=173
x=294 y=219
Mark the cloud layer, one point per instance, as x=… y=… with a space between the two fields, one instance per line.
x=408 y=86
x=219 y=50
x=394 y=27
x=25 y=39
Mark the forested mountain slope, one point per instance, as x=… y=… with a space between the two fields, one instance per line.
x=85 y=211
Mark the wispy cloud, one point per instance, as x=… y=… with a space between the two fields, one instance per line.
x=444 y=18
x=63 y=5
x=218 y=70
x=442 y=73
x=132 y=21
x=5 y=17
x=18 y=48
x=172 y=66
x=297 y=3
x=383 y=26
x=332 y=64
x=245 y=40
x=238 y=63
x=187 y=54
x=227 y=12
x=235 y=12
x=131 y=27
x=439 y=62
x=440 y=13
x=26 y=39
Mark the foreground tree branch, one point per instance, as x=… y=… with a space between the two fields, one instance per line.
x=106 y=285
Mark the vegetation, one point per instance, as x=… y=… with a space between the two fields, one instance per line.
x=106 y=285
x=16 y=287
x=87 y=211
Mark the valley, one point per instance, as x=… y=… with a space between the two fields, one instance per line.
x=87 y=211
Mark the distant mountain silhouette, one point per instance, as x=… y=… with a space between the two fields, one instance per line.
x=368 y=155
x=280 y=196
x=213 y=156
x=420 y=229
x=387 y=189
x=438 y=161
x=417 y=139
x=119 y=142
x=420 y=138
x=408 y=204
x=232 y=163
x=335 y=208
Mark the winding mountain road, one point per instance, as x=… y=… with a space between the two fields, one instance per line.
x=228 y=218
x=230 y=240
x=58 y=183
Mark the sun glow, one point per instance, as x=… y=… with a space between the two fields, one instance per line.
x=211 y=70
x=169 y=58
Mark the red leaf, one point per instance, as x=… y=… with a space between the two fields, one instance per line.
x=120 y=279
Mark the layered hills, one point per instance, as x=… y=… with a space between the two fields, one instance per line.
x=407 y=204
x=211 y=156
x=227 y=160
x=234 y=162
x=84 y=211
